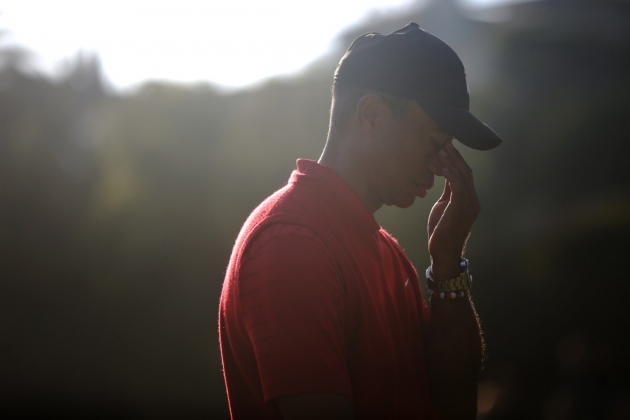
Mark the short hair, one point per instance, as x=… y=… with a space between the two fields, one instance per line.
x=346 y=96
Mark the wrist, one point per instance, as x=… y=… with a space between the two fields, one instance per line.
x=453 y=287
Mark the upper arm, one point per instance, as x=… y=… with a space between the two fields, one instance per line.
x=292 y=309
x=315 y=406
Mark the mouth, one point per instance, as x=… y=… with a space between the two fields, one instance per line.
x=422 y=189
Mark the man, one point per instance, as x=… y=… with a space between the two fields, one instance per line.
x=321 y=315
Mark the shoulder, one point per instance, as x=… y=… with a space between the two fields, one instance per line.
x=279 y=234
x=287 y=257
x=286 y=243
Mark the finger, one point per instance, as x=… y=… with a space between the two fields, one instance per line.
x=463 y=182
x=463 y=199
x=446 y=161
x=438 y=208
x=468 y=178
x=451 y=173
x=459 y=162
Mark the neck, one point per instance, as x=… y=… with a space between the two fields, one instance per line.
x=343 y=155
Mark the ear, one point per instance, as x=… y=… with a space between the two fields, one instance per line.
x=370 y=110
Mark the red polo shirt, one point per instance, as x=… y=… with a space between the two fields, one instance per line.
x=319 y=299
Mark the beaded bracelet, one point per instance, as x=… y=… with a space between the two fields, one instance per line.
x=447 y=295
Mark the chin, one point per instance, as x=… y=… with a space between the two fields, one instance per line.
x=404 y=203
x=402 y=198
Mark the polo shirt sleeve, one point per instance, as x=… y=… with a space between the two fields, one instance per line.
x=292 y=308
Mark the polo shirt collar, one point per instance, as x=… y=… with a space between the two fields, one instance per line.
x=350 y=208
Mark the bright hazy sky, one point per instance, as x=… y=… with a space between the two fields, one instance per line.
x=232 y=43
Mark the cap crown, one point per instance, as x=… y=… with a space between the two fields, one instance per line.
x=410 y=63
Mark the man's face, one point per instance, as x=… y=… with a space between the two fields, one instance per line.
x=404 y=159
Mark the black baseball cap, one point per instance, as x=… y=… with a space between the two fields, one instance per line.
x=414 y=64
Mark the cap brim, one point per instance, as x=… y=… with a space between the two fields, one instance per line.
x=463 y=125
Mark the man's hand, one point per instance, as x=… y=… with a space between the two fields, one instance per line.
x=453 y=215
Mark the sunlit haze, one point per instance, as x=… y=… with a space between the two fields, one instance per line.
x=230 y=43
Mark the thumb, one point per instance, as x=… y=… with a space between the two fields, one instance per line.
x=446 y=194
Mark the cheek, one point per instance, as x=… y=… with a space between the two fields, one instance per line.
x=388 y=178
x=400 y=166
x=433 y=163
x=417 y=158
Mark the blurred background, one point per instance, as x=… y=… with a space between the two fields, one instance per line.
x=128 y=167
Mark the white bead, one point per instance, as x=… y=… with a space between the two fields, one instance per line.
x=441 y=295
x=462 y=294
x=453 y=295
